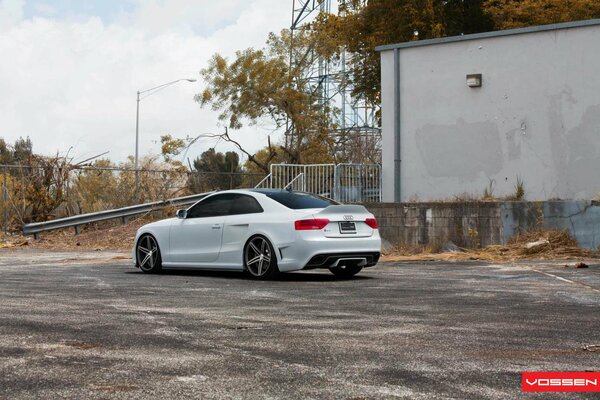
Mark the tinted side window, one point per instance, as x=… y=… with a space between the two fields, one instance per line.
x=213 y=206
x=243 y=204
x=298 y=201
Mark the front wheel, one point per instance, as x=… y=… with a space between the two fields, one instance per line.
x=259 y=258
x=148 y=255
x=345 y=271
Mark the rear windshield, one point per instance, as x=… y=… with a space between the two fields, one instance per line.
x=298 y=201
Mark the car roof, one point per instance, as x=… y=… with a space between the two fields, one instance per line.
x=267 y=191
x=250 y=192
x=255 y=190
x=230 y=191
x=263 y=191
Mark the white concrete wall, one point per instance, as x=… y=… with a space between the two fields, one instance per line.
x=537 y=116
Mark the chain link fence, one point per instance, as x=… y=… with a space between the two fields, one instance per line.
x=35 y=194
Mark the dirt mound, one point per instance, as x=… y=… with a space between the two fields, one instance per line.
x=545 y=243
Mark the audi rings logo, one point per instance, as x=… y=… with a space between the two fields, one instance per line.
x=348 y=217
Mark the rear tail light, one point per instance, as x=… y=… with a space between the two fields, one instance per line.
x=311 y=224
x=372 y=222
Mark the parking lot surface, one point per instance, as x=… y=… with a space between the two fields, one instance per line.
x=92 y=326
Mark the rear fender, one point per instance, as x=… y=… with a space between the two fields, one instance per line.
x=277 y=245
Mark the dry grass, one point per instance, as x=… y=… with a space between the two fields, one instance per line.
x=111 y=235
x=108 y=235
x=406 y=251
x=555 y=244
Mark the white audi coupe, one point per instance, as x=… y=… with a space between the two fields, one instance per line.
x=263 y=232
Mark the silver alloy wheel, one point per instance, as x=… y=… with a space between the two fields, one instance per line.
x=258 y=256
x=147 y=253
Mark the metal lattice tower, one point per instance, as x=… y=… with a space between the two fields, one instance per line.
x=357 y=120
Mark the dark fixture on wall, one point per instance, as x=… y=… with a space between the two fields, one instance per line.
x=474 y=80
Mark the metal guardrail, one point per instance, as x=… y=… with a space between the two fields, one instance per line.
x=123 y=213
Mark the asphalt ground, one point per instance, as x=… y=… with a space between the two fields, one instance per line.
x=88 y=325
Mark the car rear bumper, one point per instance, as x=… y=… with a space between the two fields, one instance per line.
x=310 y=251
x=326 y=260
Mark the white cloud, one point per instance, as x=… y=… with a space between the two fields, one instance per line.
x=201 y=17
x=11 y=13
x=72 y=82
x=45 y=9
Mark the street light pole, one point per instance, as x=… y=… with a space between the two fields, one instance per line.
x=150 y=92
x=137 y=146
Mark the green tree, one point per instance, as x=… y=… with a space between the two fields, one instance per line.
x=521 y=13
x=171 y=147
x=260 y=85
x=361 y=26
x=253 y=173
x=465 y=17
x=23 y=151
x=6 y=154
x=216 y=171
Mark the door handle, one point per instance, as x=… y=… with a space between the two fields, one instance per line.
x=216 y=226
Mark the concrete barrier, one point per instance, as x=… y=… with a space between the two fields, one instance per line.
x=475 y=224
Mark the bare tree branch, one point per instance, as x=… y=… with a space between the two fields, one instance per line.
x=264 y=166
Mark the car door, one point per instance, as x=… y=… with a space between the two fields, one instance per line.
x=245 y=211
x=196 y=239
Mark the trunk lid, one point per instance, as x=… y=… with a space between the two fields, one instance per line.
x=346 y=221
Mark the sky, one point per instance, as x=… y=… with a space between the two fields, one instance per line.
x=70 y=70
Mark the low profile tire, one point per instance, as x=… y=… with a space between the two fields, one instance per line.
x=148 y=255
x=260 y=259
x=345 y=271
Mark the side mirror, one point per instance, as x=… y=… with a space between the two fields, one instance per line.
x=181 y=214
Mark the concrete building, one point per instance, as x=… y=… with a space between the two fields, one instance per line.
x=461 y=113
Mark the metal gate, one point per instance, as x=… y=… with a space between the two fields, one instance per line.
x=358 y=183
x=346 y=183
